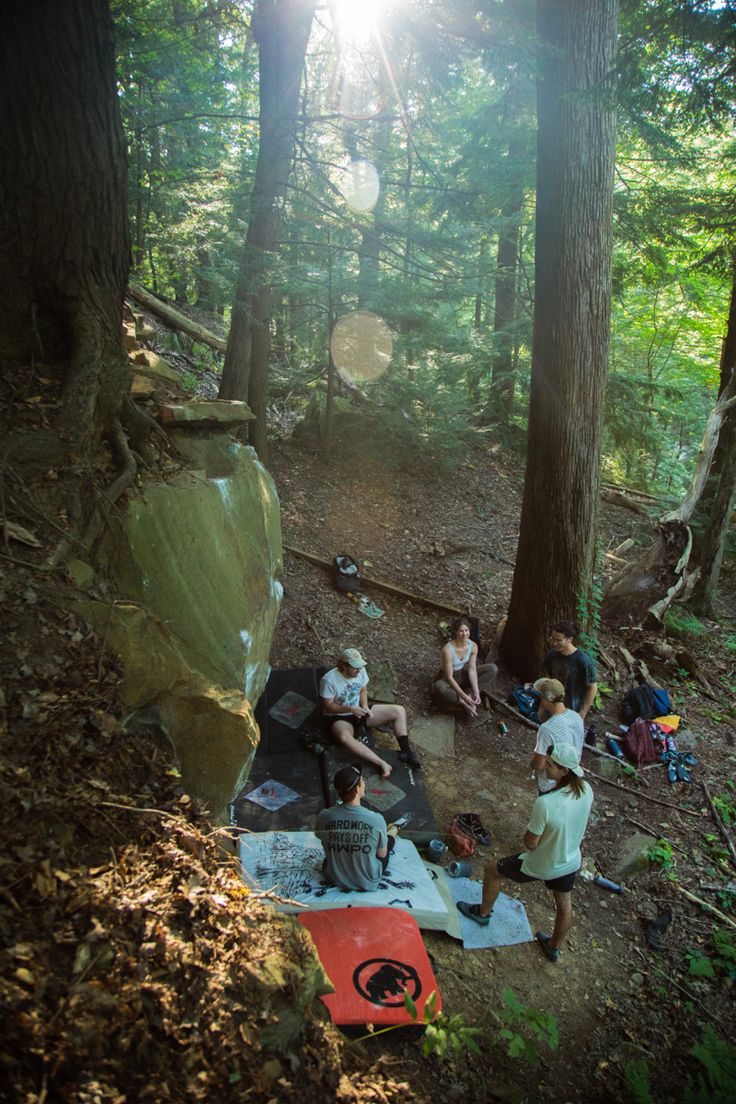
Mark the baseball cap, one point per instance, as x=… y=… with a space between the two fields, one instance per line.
x=347 y=778
x=565 y=755
x=353 y=657
x=551 y=690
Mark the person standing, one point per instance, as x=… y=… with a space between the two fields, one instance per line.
x=357 y=842
x=572 y=667
x=552 y=848
x=343 y=692
x=559 y=725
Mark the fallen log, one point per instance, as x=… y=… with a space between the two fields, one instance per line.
x=175 y=318
x=719 y=821
x=389 y=588
x=644 y=797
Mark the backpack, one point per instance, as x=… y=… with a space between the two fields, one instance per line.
x=645 y=701
x=638 y=702
x=345 y=574
x=525 y=701
x=638 y=745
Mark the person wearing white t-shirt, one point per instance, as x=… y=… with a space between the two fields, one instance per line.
x=559 y=726
x=343 y=692
x=552 y=841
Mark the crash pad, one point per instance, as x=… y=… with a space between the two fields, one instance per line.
x=290 y=864
x=372 y=957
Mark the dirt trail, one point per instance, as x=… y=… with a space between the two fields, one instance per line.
x=451 y=546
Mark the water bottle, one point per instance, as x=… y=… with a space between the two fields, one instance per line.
x=604 y=883
x=614 y=747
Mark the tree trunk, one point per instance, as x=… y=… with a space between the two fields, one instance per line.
x=575 y=151
x=719 y=504
x=64 y=248
x=281 y=29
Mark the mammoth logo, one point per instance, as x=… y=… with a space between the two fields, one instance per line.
x=385 y=980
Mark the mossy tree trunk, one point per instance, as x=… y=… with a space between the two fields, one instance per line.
x=575 y=157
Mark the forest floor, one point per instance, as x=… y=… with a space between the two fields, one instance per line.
x=122 y=922
x=615 y=999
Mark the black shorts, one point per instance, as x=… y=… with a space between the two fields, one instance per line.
x=358 y=724
x=510 y=867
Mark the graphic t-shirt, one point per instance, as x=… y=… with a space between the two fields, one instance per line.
x=344 y=691
x=559 y=728
x=574 y=671
x=351 y=835
x=560 y=819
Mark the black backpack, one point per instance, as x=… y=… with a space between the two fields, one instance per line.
x=345 y=574
x=639 y=702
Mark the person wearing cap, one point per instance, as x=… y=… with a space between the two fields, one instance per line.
x=344 y=695
x=559 y=725
x=572 y=667
x=356 y=841
x=552 y=848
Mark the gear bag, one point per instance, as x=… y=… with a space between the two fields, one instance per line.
x=345 y=574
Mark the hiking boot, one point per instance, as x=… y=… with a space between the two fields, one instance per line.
x=473 y=913
x=552 y=954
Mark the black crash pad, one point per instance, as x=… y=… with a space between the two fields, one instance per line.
x=283 y=756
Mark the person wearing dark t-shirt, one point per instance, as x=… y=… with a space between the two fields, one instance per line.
x=572 y=667
x=357 y=842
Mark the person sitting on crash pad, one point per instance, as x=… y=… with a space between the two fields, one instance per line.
x=461 y=680
x=357 y=842
x=343 y=692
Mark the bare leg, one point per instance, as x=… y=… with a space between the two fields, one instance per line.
x=563 y=918
x=491 y=887
x=343 y=734
x=382 y=714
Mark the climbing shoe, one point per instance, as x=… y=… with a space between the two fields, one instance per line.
x=550 y=953
x=473 y=913
x=410 y=759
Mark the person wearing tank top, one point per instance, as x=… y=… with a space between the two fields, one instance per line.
x=462 y=680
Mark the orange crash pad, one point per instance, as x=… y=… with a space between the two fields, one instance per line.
x=372 y=957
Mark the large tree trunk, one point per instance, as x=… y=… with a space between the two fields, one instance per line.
x=575 y=151
x=64 y=249
x=281 y=29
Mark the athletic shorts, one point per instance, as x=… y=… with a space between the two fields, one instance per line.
x=358 y=724
x=510 y=867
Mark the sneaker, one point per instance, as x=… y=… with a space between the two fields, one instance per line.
x=550 y=953
x=401 y=822
x=410 y=759
x=473 y=913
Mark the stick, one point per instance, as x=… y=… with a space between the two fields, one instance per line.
x=388 y=587
x=719 y=822
x=510 y=710
x=657 y=835
x=645 y=797
x=704 y=904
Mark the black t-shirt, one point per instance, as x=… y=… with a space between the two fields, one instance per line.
x=574 y=671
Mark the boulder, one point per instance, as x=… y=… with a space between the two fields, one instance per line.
x=149 y=364
x=205 y=412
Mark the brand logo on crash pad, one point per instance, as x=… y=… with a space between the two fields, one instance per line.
x=385 y=980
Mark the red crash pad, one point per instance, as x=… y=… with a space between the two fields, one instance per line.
x=372 y=956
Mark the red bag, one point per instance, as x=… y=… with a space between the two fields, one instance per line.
x=638 y=745
x=459 y=842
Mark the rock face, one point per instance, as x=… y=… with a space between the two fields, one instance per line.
x=197 y=562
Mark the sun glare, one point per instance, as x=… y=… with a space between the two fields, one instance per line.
x=356 y=19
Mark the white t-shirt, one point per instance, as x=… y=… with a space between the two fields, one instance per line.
x=560 y=819
x=344 y=691
x=559 y=728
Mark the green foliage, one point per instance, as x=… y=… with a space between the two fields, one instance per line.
x=636 y=1074
x=680 y=623
x=589 y=606
x=725 y=803
x=444 y=1036
x=528 y=1030
x=662 y=854
x=717 y=1083
x=720 y=960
